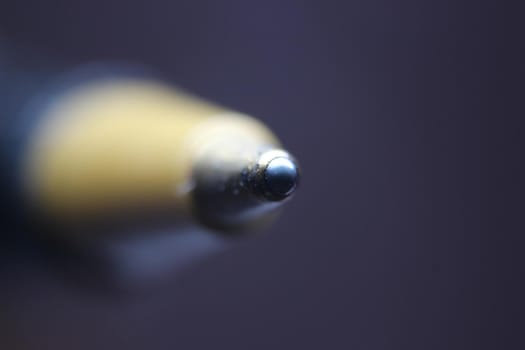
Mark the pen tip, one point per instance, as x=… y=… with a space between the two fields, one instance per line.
x=280 y=177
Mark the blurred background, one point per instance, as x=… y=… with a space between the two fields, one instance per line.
x=384 y=104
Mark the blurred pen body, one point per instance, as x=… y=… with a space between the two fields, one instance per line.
x=97 y=145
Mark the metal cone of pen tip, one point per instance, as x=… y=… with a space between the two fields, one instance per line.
x=243 y=190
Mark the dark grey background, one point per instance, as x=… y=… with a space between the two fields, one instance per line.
x=387 y=245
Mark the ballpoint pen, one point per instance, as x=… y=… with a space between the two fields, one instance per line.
x=98 y=145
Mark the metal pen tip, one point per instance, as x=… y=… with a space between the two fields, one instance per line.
x=280 y=176
x=243 y=190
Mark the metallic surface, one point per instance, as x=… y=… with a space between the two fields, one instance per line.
x=242 y=188
x=281 y=177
